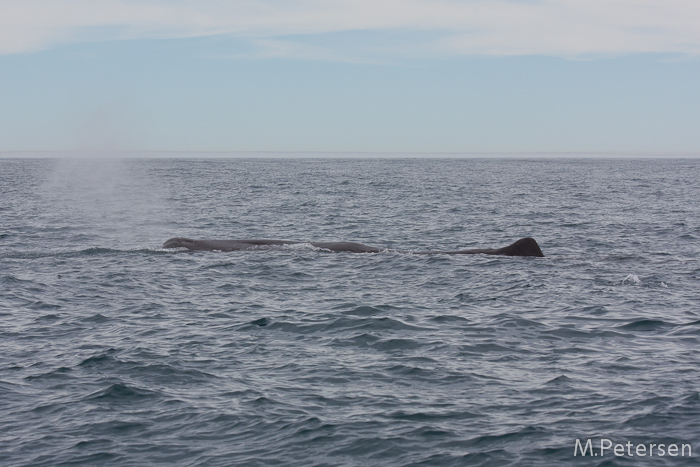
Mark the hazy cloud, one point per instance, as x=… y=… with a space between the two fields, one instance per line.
x=282 y=27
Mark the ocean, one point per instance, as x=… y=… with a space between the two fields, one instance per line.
x=116 y=352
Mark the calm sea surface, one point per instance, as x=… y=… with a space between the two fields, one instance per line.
x=116 y=352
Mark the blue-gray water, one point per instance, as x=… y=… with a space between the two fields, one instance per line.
x=115 y=352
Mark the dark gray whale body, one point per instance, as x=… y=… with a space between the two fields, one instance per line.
x=523 y=247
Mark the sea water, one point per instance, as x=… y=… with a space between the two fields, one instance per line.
x=114 y=351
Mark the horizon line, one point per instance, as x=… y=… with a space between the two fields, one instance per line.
x=241 y=154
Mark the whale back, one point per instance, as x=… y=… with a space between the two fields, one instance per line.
x=522 y=247
x=221 y=245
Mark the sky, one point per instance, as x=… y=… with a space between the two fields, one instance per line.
x=394 y=76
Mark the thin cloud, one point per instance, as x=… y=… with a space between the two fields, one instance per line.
x=281 y=27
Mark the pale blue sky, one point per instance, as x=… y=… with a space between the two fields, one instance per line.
x=395 y=76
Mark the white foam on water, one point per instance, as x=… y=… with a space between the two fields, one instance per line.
x=632 y=279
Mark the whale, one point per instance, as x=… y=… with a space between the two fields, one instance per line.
x=523 y=247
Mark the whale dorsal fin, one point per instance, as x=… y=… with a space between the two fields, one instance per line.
x=523 y=247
